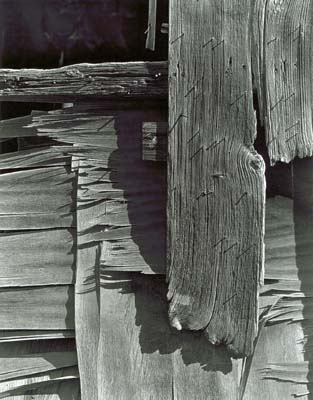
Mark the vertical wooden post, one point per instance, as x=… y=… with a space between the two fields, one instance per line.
x=216 y=187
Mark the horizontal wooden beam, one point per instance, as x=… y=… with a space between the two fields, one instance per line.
x=83 y=82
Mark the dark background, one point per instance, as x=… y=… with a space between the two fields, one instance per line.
x=52 y=33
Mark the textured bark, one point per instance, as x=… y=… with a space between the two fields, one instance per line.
x=133 y=80
x=215 y=179
x=283 y=63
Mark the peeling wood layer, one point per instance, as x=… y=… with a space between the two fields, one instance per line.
x=283 y=70
x=122 y=198
x=131 y=80
x=216 y=187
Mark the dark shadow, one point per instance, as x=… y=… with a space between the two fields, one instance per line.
x=303 y=222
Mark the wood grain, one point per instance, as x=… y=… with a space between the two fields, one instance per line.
x=38 y=308
x=283 y=36
x=87 y=307
x=141 y=357
x=47 y=199
x=216 y=187
x=42 y=257
x=131 y=80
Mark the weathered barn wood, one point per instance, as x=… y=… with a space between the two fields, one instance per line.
x=41 y=257
x=157 y=362
x=107 y=241
x=25 y=365
x=216 y=186
x=53 y=208
x=283 y=69
x=37 y=308
x=151 y=30
x=133 y=80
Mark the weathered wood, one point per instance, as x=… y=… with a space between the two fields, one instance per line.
x=33 y=258
x=125 y=194
x=27 y=364
x=87 y=305
x=151 y=30
x=21 y=336
x=38 y=308
x=40 y=157
x=278 y=344
x=283 y=68
x=131 y=80
x=216 y=187
x=157 y=363
x=37 y=198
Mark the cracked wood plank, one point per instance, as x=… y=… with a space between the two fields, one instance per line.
x=283 y=69
x=81 y=82
x=216 y=187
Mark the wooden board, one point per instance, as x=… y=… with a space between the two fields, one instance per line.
x=283 y=59
x=38 y=308
x=131 y=80
x=216 y=188
x=48 y=199
x=42 y=257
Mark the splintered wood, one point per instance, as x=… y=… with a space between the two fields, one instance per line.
x=215 y=177
x=131 y=80
x=283 y=74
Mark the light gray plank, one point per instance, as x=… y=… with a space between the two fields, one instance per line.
x=33 y=258
x=216 y=183
x=37 y=308
x=37 y=198
x=283 y=37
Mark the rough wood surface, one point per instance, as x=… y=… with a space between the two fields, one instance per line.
x=25 y=366
x=122 y=198
x=283 y=68
x=158 y=363
x=37 y=198
x=216 y=185
x=42 y=257
x=37 y=308
x=131 y=80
